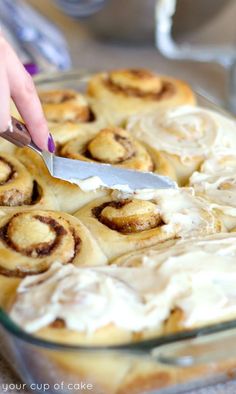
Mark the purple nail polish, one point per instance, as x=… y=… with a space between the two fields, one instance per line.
x=51 y=145
x=32 y=68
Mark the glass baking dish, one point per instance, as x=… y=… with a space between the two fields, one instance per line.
x=173 y=363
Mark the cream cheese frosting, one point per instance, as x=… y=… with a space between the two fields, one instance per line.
x=197 y=276
x=217 y=182
x=95 y=182
x=185 y=131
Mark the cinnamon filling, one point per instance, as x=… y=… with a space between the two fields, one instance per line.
x=67 y=96
x=110 y=147
x=16 y=198
x=8 y=232
x=55 y=97
x=7 y=172
x=37 y=237
x=128 y=216
x=58 y=323
x=167 y=90
x=66 y=105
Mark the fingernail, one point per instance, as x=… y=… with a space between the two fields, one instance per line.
x=51 y=145
x=32 y=68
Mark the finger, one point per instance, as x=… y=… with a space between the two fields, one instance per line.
x=24 y=94
x=4 y=99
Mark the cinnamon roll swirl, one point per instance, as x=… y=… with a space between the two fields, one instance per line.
x=113 y=145
x=69 y=113
x=64 y=105
x=20 y=189
x=216 y=182
x=122 y=223
x=30 y=241
x=186 y=134
x=121 y=93
x=68 y=197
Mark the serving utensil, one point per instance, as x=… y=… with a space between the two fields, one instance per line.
x=77 y=171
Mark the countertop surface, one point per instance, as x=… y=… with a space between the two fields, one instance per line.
x=89 y=53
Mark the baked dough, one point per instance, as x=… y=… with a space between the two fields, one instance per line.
x=30 y=241
x=69 y=113
x=172 y=297
x=113 y=145
x=121 y=93
x=19 y=189
x=122 y=223
x=64 y=105
x=69 y=197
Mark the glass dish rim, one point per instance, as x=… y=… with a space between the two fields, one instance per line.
x=82 y=76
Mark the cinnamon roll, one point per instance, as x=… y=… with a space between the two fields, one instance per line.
x=187 y=285
x=206 y=264
x=121 y=93
x=64 y=105
x=216 y=182
x=69 y=113
x=68 y=197
x=20 y=189
x=113 y=145
x=123 y=222
x=176 y=279
x=187 y=135
x=30 y=241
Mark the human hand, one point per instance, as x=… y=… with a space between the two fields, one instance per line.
x=16 y=83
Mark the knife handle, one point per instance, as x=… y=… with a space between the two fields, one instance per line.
x=17 y=133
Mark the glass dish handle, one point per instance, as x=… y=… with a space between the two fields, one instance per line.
x=204 y=349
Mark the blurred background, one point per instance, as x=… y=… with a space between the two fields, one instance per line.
x=200 y=47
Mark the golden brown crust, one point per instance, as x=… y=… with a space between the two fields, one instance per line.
x=16 y=184
x=20 y=189
x=69 y=197
x=121 y=93
x=65 y=105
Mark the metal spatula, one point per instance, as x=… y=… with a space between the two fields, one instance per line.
x=71 y=170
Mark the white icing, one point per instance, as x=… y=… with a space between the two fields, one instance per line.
x=217 y=182
x=89 y=184
x=94 y=183
x=197 y=276
x=186 y=131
